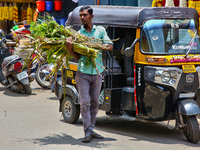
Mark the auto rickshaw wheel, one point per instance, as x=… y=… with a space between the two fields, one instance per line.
x=191 y=130
x=70 y=111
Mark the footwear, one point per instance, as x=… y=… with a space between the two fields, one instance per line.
x=97 y=136
x=87 y=138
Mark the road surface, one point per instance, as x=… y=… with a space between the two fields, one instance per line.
x=32 y=122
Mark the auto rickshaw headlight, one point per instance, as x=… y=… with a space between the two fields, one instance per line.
x=166 y=76
x=169 y=76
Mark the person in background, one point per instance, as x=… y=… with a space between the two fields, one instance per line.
x=88 y=81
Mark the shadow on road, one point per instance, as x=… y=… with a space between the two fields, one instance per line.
x=14 y=94
x=53 y=98
x=67 y=139
x=155 y=132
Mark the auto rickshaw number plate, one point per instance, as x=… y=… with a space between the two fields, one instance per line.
x=189 y=68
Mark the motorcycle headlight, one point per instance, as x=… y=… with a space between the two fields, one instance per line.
x=166 y=76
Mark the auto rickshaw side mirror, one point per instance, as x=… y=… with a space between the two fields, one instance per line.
x=129 y=50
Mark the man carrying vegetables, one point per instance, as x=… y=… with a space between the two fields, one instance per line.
x=88 y=80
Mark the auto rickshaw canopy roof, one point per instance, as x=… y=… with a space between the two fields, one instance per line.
x=128 y=16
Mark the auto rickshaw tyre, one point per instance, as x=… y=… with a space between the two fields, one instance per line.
x=191 y=131
x=70 y=111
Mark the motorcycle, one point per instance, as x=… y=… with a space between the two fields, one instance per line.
x=13 y=75
x=43 y=75
x=42 y=72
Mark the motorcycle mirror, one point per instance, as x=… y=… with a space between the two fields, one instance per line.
x=129 y=50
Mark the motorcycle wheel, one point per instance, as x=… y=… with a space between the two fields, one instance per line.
x=191 y=130
x=20 y=88
x=42 y=78
x=27 y=89
x=13 y=87
x=70 y=111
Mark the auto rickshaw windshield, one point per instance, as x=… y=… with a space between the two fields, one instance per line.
x=164 y=36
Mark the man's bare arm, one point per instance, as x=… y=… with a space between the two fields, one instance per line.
x=109 y=47
x=69 y=45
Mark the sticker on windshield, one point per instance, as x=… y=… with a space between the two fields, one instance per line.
x=155 y=37
x=174 y=25
x=180 y=47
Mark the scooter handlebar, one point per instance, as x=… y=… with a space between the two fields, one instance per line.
x=3 y=42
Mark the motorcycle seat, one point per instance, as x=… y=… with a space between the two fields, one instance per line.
x=10 y=59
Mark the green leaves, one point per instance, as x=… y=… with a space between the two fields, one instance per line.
x=49 y=39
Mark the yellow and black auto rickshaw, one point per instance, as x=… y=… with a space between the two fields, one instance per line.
x=155 y=66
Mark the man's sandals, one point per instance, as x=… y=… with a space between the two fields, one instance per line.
x=97 y=136
x=89 y=137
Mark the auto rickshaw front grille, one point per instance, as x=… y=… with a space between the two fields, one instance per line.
x=188 y=88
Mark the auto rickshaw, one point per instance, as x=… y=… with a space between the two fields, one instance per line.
x=158 y=66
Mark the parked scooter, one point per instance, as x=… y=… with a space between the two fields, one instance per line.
x=12 y=73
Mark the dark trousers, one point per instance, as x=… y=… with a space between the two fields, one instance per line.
x=89 y=87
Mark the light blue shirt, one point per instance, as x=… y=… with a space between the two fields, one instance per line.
x=98 y=32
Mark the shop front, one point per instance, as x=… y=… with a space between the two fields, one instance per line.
x=17 y=13
x=21 y=12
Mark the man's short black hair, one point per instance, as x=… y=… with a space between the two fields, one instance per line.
x=90 y=10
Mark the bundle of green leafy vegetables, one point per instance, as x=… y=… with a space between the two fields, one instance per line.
x=49 y=42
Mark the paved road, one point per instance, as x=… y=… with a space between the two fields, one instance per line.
x=32 y=122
